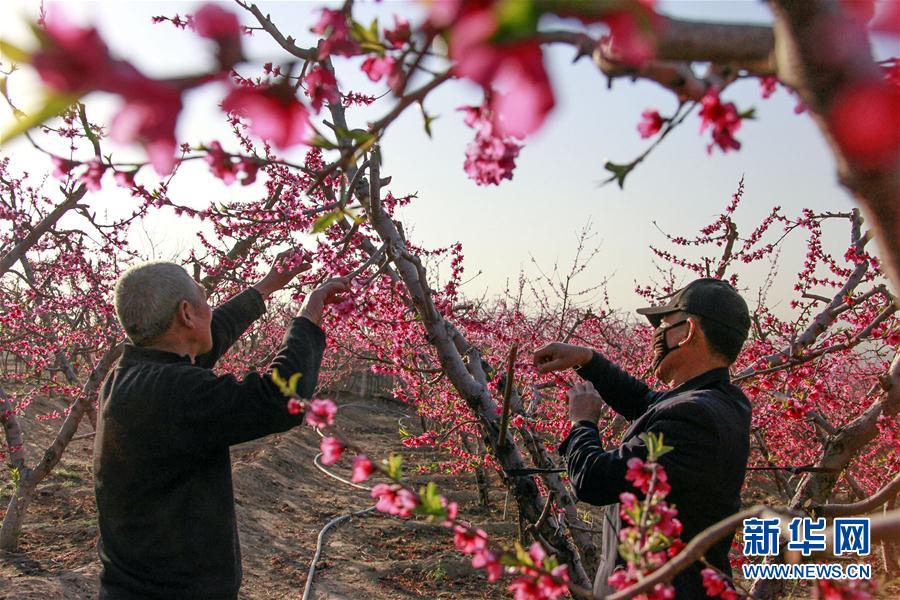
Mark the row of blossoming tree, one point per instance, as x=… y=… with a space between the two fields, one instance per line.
x=823 y=377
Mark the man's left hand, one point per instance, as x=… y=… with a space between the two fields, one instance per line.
x=286 y=266
x=585 y=404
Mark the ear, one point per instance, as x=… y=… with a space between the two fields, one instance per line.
x=691 y=334
x=186 y=314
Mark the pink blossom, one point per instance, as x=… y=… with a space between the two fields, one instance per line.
x=214 y=22
x=517 y=69
x=489 y=562
x=294 y=406
x=71 y=58
x=650 y=124
x=394 y=500
x=62 y=166
x=362 y=468
x=274 y=113
x=320 y=413
x=321 y=87
x=490 y=157
x=333 y=25
x=92 y=176
x=376 y=67
x=125 y=179
x=468 y=541
x=631 y=32
x=724 y=119
x=151 y=119
x=220 y=163
x=332 y=449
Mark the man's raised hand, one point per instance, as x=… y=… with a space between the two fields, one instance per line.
x=285 y=267
x=329 y=292
x=585 y=404
x=558 y=357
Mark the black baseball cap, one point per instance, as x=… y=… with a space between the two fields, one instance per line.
x=710 y=298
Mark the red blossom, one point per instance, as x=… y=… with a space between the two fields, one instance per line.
x=716 y=586
x=332 y=449
x=274 y=113
x=399 y=35
x=321 y=87
x=724 y=119
x=650 y=124
x=864 y=120
x=768 y=85
x=220 y=163
x=320 y=413
x=294 y=406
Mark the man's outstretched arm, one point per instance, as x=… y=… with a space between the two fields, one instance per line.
x=222 y=411
x=627 y=395
x=232 y=318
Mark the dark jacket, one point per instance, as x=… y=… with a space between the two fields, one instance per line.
x=707 y=422
x=162 y=469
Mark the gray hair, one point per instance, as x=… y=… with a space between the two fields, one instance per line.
x=148 y=295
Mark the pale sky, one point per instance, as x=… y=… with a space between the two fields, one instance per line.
x=554 y=191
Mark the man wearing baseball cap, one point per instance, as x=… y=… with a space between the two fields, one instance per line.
x=703 y=416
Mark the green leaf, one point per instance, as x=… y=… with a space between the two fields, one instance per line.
x=619 y=172
x=54 y=104
x=393 y=465
x=523 y=557
x=327 y=220
x=426 y=119
x=430 y=502
x=655 y=446
x=516 y=19
x=750 y=113
x=14 y=53
x=320 y=141
x=367 y=37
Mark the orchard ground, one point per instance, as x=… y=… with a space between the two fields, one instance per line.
x=283 y=501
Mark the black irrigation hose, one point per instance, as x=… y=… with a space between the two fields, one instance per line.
x=320 y=539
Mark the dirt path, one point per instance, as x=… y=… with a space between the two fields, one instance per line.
x=283 y=501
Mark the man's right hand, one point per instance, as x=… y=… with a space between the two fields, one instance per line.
x=329 y=292
x=558 y=357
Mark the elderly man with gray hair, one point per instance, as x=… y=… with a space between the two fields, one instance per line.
x=162 y=468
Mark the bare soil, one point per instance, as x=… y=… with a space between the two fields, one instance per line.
x=283 y=500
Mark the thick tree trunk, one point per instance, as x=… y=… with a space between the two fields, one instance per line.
x=820 y=73
x=30 y=478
